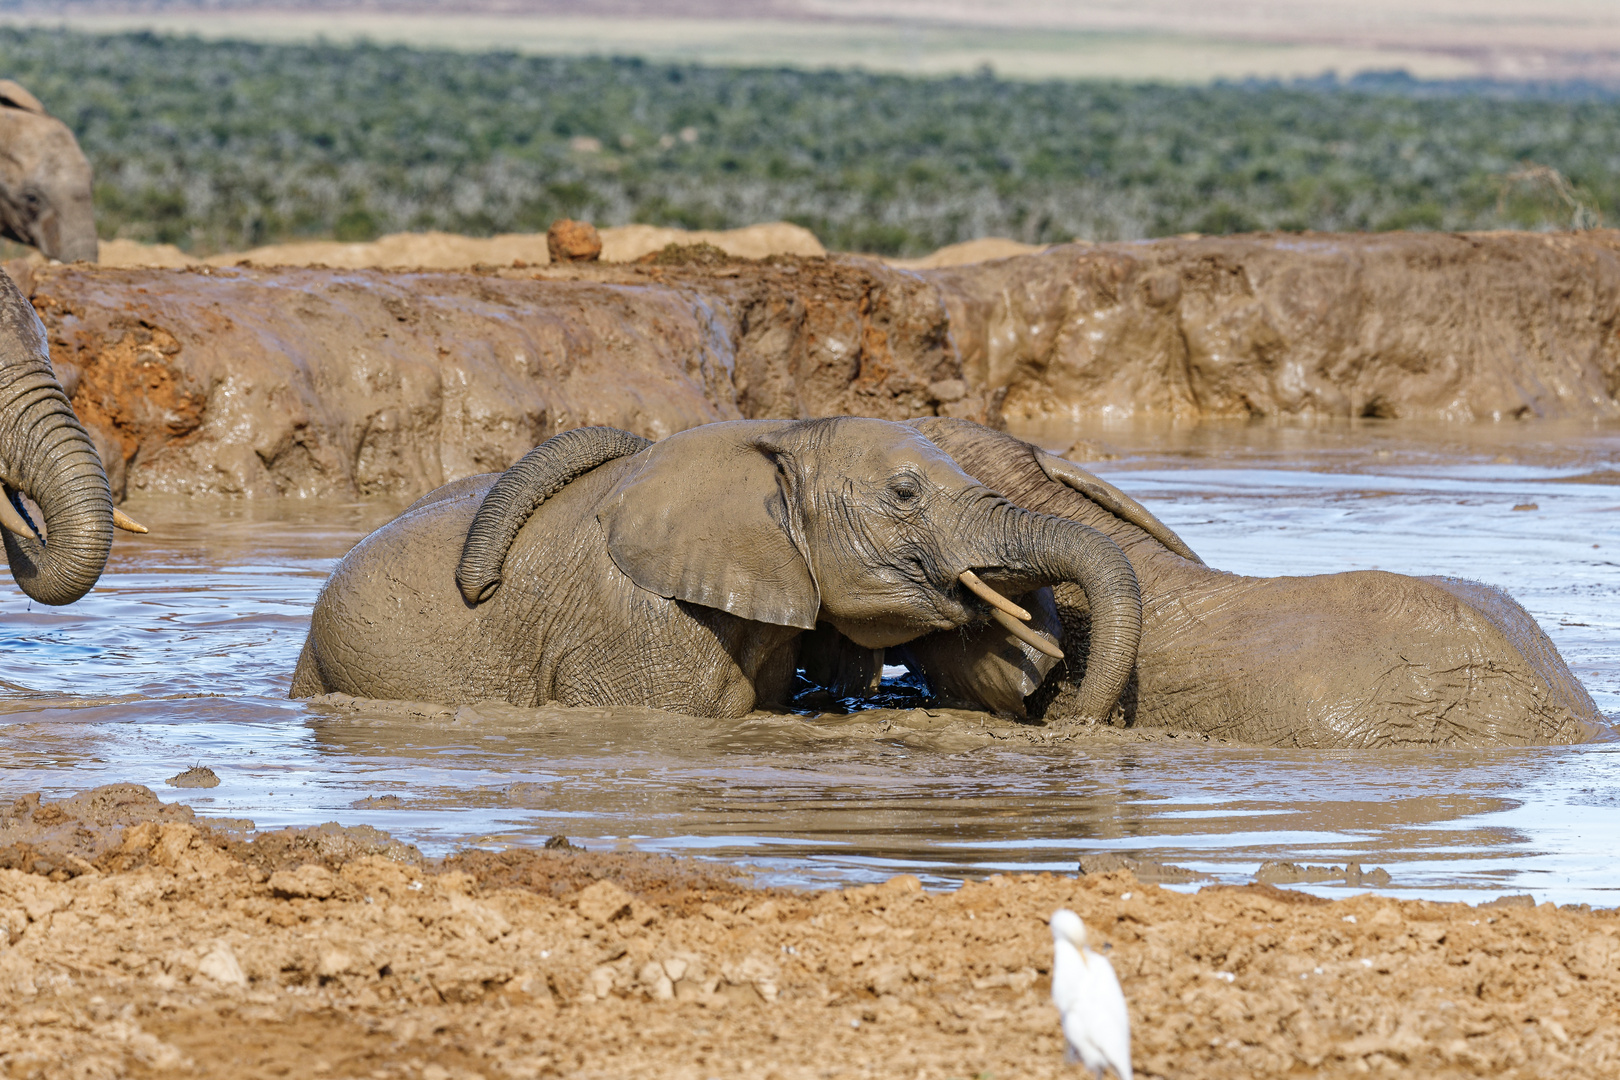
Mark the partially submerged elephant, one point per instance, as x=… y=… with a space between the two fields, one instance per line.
x=1356 y=659
x=46 y=456
x=603 y=570
x=44 y=180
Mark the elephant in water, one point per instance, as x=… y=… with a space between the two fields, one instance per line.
x=44 y=180
x=1356 y=659
x=604 y=570
x=46 y=455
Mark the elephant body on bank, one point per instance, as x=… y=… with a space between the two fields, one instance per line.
x=45 y=180
x=693 y=574
x=1357 y=659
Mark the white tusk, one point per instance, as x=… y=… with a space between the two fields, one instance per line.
x=123 y=521
x=11 y=519
x=990 y=596
x=1026 y=635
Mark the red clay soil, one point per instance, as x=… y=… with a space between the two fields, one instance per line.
x=163 y=948
x=389 y=383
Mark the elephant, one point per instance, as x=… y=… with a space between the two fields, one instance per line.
x=44 y=180
x=698 y=574
x=46 y=455
x=1355 y=659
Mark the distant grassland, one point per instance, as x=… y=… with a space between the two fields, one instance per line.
x=226 y=145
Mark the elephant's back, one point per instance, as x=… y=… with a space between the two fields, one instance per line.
x=390 y=622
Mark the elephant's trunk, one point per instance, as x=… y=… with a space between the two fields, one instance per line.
x=46 y=455
x=1037 y=549
x=542 y=472
x=70 y=236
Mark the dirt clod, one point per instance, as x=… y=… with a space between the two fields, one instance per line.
x=573 y=241
x=1287 y=873
x=198 y=776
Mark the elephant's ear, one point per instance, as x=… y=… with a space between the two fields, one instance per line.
x=13 y=96
x=706 y=517
x=1113 y=500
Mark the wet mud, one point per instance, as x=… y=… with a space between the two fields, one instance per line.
x=369 y=383
x=363 y=383
x=183 y=949
x=1449 y=327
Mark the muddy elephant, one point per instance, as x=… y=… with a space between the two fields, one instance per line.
x=46 y=456
x=1356 y=659
x=696 y=573
x=44 y=180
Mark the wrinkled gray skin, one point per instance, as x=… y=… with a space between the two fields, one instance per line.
x=46 y=455
x=44 y=180
x=686 y=575
x=1358 y=659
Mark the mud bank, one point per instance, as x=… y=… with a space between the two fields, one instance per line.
x=1457 y=327
x=372 y=383
x=368 y=383
x=139 y=942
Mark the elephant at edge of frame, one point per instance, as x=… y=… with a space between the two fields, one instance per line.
x=45 y=181
x=48 y=460
x=699 y=573
x=1363 y=658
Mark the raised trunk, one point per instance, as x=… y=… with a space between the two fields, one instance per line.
x=46 y=455
x=1030 y=550
x=70 y=236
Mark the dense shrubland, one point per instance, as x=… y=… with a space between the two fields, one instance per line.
x=227 y=145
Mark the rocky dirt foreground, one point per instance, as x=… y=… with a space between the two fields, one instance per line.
x=361 y=382
x=136 y=941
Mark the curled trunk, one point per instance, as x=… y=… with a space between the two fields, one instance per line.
x=46 y=454
x=1057 y=549
x=541 y=473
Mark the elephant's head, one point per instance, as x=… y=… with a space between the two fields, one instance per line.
x=866 y=526
x=46 y=456
x=44 y=180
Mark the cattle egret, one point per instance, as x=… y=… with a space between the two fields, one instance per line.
x=1089 y=1000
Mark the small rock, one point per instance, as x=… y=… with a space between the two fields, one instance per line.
x=1527 y=506
x=196 y=776
x=221 y=966
x=573 y=241
x=1524 y=900
x=562 y=843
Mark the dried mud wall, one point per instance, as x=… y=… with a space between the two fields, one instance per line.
x=1410 y=325
x=367 y=383
x=364 y=383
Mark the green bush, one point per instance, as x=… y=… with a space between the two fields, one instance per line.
x=226 y=145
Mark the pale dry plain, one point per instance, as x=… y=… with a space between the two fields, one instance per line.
x=1167 y=40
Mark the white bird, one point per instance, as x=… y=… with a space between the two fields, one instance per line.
x=1088 y=998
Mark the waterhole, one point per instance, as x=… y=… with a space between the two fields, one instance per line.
x=183 y=653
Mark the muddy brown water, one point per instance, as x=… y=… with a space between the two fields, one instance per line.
x=183 y=654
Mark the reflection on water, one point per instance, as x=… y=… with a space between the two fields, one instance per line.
x=184 y=652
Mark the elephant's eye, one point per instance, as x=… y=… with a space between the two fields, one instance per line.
x=904 y=489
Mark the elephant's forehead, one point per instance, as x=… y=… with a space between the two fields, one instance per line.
x=883 y=447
